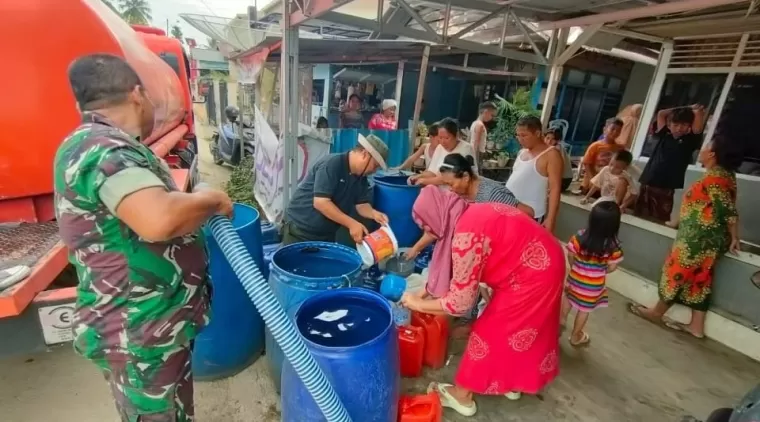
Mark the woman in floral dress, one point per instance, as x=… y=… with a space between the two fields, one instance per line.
x=514 y=345
x=707 y=229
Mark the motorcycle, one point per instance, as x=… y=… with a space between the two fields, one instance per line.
x=232 y=140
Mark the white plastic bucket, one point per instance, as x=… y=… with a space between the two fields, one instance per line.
x=377 y=246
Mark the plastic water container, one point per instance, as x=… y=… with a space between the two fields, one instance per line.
x=371 y=278
x=269 y=251
x=436 y=337
x=401 y=315
x=235 y=336
x=423 y=408
x=393 y=196
x=269 y=233
x=300 y=271
x=411 y=348
x=351 y=335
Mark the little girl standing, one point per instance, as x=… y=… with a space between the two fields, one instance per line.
x=592 y=253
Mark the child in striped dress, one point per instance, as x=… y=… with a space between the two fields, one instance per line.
x=592 y=254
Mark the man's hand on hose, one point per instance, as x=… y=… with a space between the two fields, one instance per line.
x=224 y=203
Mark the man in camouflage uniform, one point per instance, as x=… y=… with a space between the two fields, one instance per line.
x=134 y=239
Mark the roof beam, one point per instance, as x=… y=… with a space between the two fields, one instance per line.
x=526 y=34
x=639 y=12
x=413 y=13
x=573 y=48
x=416 y=34
x=479 y=22
x=312 y=9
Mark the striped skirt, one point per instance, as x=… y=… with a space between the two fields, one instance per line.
x=586 y=293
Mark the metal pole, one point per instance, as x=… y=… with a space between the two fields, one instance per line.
x=653 y=98
x=555 y=75
x=294 y=108
x=551 y=91
x=285 y=97
x=710 y=131
x=399 y=83
x=420 y=94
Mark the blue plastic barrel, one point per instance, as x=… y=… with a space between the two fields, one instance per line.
x=394 y=197
x=358 y=352
x=269 y=233
x=300 y=271
x=234 y=339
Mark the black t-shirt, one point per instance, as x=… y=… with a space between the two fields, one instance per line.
x=330 y=177
x=670 y=157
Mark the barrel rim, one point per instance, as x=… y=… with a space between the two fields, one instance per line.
x=317 y=280
x=253 y=221
x=345 y=291
x=378 y=179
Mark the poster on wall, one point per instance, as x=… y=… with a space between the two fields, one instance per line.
x=268 y=162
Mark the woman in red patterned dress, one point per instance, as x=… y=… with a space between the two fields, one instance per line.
x=514 y=345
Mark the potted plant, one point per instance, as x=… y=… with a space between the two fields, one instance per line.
x=507 y=115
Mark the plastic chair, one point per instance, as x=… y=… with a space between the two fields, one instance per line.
x=561 y=124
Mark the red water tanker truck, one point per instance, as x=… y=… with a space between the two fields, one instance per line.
x=37 y=111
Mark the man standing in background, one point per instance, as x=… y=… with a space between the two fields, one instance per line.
x=478 y=131
x=136 y=244
x=678 y=137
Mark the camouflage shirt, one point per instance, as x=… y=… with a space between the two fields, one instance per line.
x=136 y=299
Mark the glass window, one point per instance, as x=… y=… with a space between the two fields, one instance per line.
x=614 y=84
x=683 y=91
x=576 y=77
x=172 y=60
x=737 y=124
x=595 y=80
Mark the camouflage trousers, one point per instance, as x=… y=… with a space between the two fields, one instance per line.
x=152 y=391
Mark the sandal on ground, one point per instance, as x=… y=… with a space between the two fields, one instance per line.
x=635 y=309
x=513 y=395
x=447 y=400
x=681 y=328
x=583 y=342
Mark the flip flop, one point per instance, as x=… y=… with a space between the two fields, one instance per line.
x=635 y=309
x=585 y=340
x=681 y=328
x=513 y=395
x=447 y=400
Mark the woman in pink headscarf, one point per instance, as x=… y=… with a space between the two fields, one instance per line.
x=514 y=344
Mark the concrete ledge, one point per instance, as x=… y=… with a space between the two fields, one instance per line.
x=646 y=245
x=723 y=330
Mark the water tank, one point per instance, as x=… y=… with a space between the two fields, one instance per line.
x=300 y=271
x=394 y=197
x=42 y=39
x=351 y=335
x=235 y=336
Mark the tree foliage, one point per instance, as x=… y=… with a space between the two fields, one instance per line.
x=135 y=11
x=111 y=6
x=176 y=32
x=507 y=115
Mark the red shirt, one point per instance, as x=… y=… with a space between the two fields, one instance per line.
x=380 y=122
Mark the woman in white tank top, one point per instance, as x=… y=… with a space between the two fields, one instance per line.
x=527 y=184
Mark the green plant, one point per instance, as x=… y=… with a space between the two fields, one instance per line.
x=507 y=115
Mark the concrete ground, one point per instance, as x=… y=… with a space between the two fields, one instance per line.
x=633 y=371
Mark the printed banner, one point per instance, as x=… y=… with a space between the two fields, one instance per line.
x=250 y=65
x=268 y=163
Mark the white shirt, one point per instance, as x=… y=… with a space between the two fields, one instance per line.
x=464 y=148
x=484 y=135
x=528 y=185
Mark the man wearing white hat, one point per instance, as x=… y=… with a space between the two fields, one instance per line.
x=334 y=187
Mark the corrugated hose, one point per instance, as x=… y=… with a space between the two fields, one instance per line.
x=282 y=328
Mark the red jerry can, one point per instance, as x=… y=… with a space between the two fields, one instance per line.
x=436 y=337
x=411 y=346
x=424 y=408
